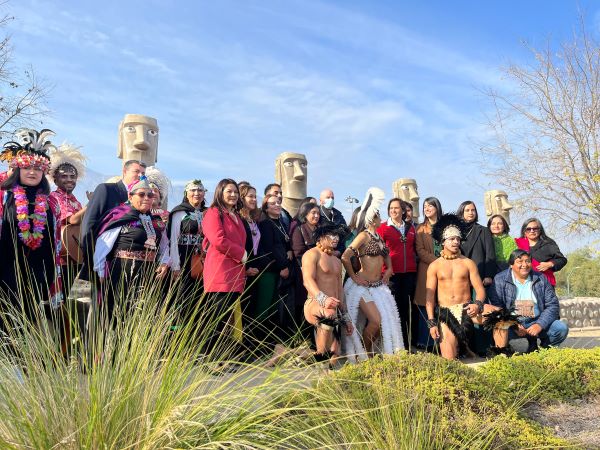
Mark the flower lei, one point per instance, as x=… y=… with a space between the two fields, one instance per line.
x=32 y=239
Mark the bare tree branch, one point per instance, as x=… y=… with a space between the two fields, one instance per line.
x=545 y=147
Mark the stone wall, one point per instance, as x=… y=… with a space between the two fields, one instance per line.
x=580 y=312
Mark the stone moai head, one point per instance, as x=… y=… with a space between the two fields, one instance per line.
x=291 y=172
x=138 y=139
x=406 y=189
x=496 y=202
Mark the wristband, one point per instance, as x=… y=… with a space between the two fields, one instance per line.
x=479 y=304
x=322 y=298
x=431 y=323
x=346 y=317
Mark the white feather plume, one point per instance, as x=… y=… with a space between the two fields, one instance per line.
x=67 y=153
x=156 y=177
x=370 y=205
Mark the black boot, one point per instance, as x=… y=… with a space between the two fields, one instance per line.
x=532 y=345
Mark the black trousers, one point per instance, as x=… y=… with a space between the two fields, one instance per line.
x=403 y=287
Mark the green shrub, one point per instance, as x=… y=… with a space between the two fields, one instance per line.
x=416 y=401
x=553 y=374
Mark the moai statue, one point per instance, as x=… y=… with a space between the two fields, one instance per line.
x=406 y=189
x=291 y=172
x=138 y=139
x=496 y=202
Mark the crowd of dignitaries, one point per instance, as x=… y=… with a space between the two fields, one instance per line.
x=240 y=256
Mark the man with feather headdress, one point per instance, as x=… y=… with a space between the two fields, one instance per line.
x=67 y=165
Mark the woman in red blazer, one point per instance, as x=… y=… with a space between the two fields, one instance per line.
x=224 y=242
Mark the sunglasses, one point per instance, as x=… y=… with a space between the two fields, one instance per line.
x=145 y=194
x=532 y=229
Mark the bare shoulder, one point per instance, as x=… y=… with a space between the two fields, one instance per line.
x=435 y=264
x=468 y=262
x=360 y=239
x=311 y=256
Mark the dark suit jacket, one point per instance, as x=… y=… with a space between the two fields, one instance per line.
x=479 y=247
x=106 y=197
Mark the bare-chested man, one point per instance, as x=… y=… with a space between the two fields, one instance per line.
x=325 y=308
x=453 y=275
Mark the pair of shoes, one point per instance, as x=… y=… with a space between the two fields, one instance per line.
x=499 y=351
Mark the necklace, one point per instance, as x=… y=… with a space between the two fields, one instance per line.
x=150 y=243
x=328 y=251
x=448 y=257
x=32 y=239
x=253 y=227
x=374 y=236
x=280 y=228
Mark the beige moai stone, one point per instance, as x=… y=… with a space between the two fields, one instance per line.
x=291 y=172
x=138 y=139
x=496 y=202
x=406 y=189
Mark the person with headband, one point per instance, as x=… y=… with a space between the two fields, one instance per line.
x=451 y=276
x=325 y=307
x=30 y=275
x=132 y=247
x=370 y=303
x=185 y=234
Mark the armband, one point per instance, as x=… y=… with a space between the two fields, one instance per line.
x=431 y=323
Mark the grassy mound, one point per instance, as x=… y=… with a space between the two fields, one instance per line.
x=423 y=401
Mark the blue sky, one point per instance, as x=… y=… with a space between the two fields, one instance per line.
x=369 y=91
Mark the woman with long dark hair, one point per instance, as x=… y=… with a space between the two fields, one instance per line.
x=504 y=244
x=478 y=245
x=224 y=272
x=427 y=251
x=546 y=257
x=275 y=305
x=29 y=239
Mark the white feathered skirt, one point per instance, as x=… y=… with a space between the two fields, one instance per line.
x=390 y=339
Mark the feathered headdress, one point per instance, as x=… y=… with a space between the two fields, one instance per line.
x=158 y=180
x=67 y=155
x=31 y=150
x=370 y=206
x=323 y=230
x=449 y=225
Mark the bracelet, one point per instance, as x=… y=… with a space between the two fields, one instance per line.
x=431 y=323
x=346 y=317
x=479 y=304
x=322 y=298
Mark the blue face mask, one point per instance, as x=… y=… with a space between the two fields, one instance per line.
x=328 y=203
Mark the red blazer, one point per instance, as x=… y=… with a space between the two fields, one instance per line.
x=223 y=268
x=403 y=254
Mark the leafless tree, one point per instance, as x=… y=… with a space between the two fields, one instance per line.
x=545 y=141
x=22 y=95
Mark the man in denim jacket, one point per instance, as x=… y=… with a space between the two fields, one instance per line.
x=530 y=294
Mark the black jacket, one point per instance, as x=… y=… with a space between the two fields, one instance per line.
x=547 y=250
x=273 y=246
x=479 y=247
x=106 y=197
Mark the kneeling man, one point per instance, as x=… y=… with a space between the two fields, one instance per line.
x=532 y=297
x=325 y=308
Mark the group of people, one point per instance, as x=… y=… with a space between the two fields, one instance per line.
x=258 y=267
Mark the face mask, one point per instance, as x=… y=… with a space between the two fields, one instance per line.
x=328 y=203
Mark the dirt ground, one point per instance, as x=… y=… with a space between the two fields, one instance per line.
x=578 y=421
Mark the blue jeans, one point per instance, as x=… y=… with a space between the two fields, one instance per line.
x=553 y=336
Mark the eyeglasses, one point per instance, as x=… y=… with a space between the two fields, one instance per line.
x=532 y=229
x=145 y=194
